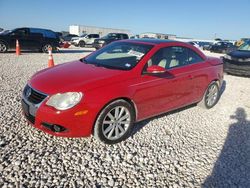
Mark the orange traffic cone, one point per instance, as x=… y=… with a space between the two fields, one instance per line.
x=51 y=61
x=17 y=48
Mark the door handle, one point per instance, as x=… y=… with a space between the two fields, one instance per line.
x=190 y=77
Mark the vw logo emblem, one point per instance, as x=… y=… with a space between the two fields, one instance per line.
x=28 y=92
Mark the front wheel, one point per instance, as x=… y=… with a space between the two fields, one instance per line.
x=3 y=47
x=115 y=122
x=81 y=44
x=210 y=97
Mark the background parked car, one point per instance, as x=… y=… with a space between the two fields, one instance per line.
x=205 y=45
x=222 y=47
x=238 y=62
x=29 y=39
x=196 y=44
x=108 y=39
x=85 y=39
x=68 y=37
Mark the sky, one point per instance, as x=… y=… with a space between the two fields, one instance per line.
x=226 y=19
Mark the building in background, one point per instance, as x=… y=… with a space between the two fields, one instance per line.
x=102 y=31
x=157 y=35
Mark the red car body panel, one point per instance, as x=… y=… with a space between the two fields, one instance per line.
x=151 y=95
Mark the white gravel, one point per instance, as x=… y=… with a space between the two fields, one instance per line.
x=191 y=147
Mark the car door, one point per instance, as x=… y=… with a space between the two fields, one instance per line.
x=89 y=39
x=160 y=93
x=35 y=38
x=20 y=35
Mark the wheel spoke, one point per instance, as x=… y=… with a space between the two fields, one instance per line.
x=108 y=122
x=111 y=132
x=124 y=117
x=116 y=112
x=108 y=129
x=111 y=116
x=121 y=129
x=116 y=132
x=121 y=112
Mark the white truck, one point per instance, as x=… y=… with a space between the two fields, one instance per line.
x=85 y=39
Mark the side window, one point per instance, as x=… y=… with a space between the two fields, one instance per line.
x=193 y=57
x=118 y=36
x=170 y=57
x=21 y=32
x=125 y=36
x=49 y=34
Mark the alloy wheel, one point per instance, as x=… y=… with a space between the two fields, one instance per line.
x=212 y=95
x=46 y=48
x=3 y=47
x=116 y=123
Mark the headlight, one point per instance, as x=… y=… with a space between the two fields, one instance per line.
x=101 y=41
x=227 y=56
x=64 y=101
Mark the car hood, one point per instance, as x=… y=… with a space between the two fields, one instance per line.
x=75 y=38
x=240 y=54
x=75 y=76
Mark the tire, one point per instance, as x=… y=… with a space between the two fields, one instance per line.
x=81 y=43
x=3 y=47
x=115 y=122
x=211 y=96
x=45 y=48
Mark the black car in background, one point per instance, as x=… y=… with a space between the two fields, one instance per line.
x=29 y=39
x=98 y=43
x=238 y=62
x=222 y=47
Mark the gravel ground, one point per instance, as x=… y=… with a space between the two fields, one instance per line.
x=190 y=147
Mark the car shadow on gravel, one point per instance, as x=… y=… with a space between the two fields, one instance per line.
x=232 y=168
x=138 y=126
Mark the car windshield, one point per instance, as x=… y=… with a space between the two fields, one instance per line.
x=6 y=32
x=83 y=35
x=245 y=47
x=118 y=55
x=110 y=35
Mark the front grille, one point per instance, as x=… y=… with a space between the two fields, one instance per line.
x=32 y=95
x=26 y=112
x=238 y=63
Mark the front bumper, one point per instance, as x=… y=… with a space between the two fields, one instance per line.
x=44 y=117
x=98 y=45
x=236 y=68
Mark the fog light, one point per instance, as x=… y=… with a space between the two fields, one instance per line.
x=53 y=127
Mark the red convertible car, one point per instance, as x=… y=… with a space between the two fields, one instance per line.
x=127 y=81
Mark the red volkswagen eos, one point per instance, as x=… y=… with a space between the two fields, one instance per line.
x=105 y=93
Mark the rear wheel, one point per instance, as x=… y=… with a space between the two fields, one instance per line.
x=81 y=43
x=46 y=47
x=210 y=97
x=3 y=47
x=115 y=122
